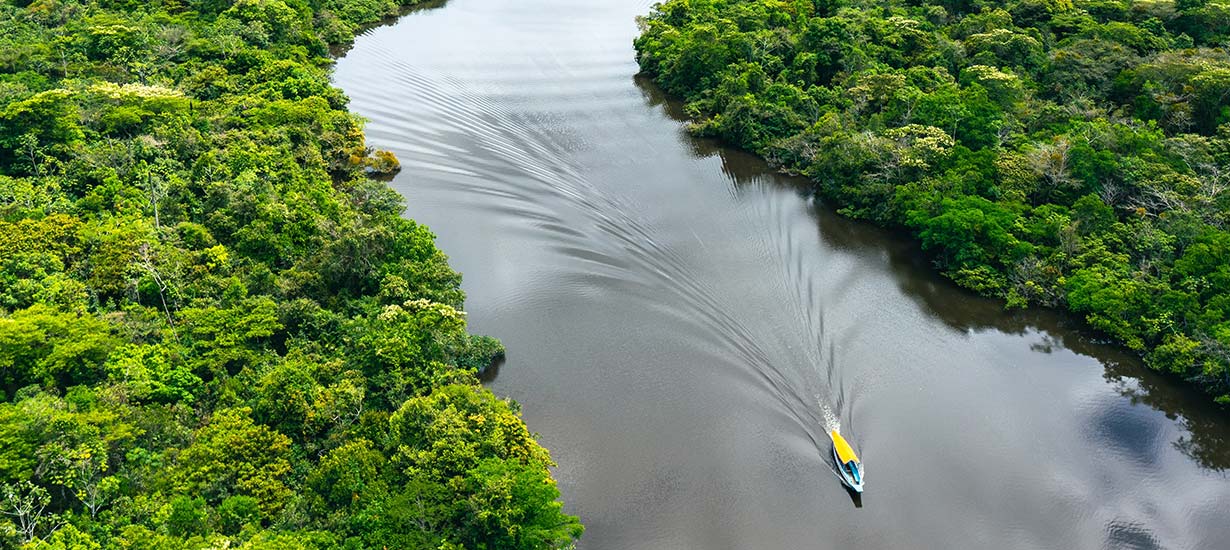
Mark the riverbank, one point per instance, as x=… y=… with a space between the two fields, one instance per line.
x=681 y=321
x=217 y=329
x=1023 y=176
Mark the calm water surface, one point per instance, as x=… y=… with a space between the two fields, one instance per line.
x=683 y=325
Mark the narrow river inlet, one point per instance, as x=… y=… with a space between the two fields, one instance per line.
x=684 y=325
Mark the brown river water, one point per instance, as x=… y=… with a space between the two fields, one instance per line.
x=684 y=325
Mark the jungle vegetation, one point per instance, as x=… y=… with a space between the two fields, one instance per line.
x=1063 y=153
x=216 y=329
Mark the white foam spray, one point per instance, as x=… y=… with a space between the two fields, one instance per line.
x=831 y=422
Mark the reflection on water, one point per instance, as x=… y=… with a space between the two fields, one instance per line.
x=1130 y=536
x=684 y=325
x=340 y=50
x=492 y=371
x=1207 y=440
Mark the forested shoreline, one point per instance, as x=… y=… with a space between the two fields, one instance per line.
x=1071 y=154
x=216 y=329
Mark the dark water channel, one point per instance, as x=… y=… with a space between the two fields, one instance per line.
x=684 y=325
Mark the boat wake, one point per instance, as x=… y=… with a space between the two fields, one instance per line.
x=486 y=143
x=831 y=422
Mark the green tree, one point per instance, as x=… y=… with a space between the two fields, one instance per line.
x=57 y=349
x=232 y=455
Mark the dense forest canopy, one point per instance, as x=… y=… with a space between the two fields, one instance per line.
x=1068 y=153
x=216 y=330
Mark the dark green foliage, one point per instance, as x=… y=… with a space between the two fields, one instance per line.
x=236 y=512
x=1054 y=152
x=216 y=331
x=477 y=352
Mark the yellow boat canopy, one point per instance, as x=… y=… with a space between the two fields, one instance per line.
x=844 y=451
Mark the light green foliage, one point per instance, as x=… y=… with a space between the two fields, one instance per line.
x=153 y=373
x=65 y=538
x=456 y=468
x=470 y=466
x=299 y=540
x=1047 y=152
x=444 y=435
x=405 y=351
x=230 y=338
x=41 y=345
x=308 y=398
x=212 y=320
x=516 y=508
x=233 y=455
x=349 y=474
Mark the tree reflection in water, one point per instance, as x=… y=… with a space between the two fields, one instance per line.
x=1207 y=438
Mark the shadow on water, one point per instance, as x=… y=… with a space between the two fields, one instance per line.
x=1207 y=441
x=855 y=497
x=489 y=373
x=340 y=50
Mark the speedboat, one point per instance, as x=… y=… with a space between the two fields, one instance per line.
x=847 y=463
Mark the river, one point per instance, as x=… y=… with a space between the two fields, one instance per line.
x=683 y=325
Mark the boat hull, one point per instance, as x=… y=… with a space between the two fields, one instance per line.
x=846 y=478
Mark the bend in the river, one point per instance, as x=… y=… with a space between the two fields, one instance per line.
x=683 y=325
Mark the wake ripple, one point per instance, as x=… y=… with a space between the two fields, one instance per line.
x=504 y=160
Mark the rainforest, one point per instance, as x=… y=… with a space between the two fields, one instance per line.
x=1063 y=153
x=216 y=328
